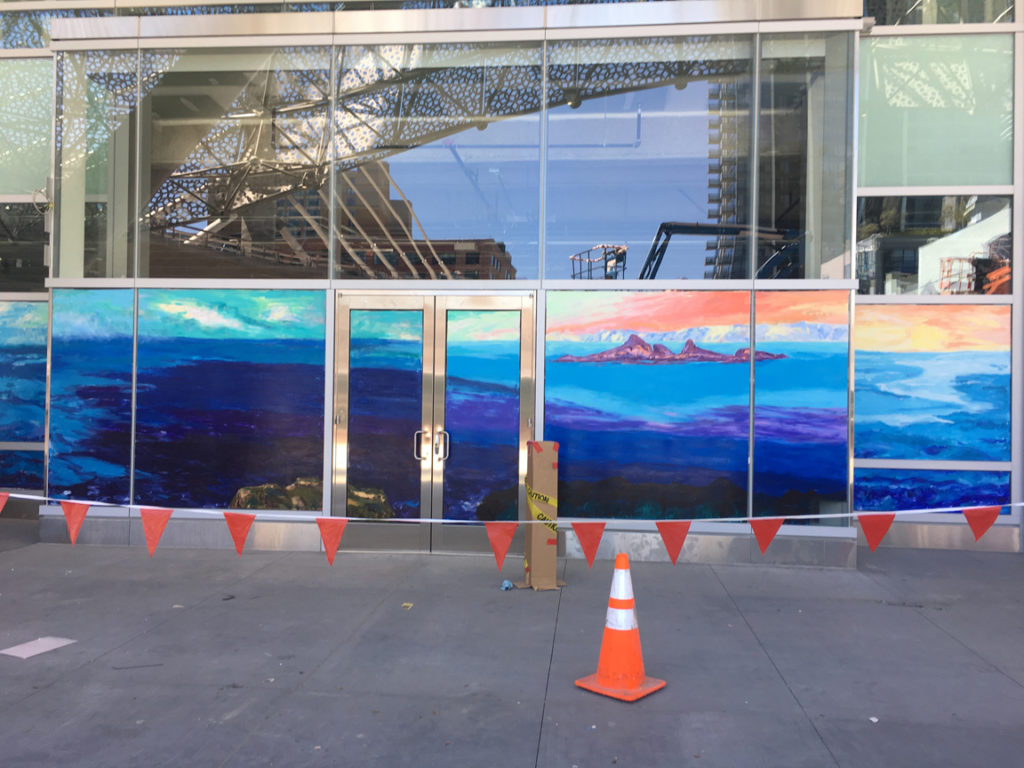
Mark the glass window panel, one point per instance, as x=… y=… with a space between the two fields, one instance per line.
x=936 y=110
x=805 y=158
x=90 y=438
x=31 y=29
x=251 y=436
x=939 y=11
x=234 y=163
x=22 y=241
x=26 y=115
x=934 y=245
x=887 y=490
x=23 y=370
x=648 y=140
x=932 y=382
x=801 y=414
x=95 y=169
x=438 y=161
x=648 y=396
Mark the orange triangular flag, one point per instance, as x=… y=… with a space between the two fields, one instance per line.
x=500 y=535
x=3 y=501
x=239 y=524
x=331 y=529
x=673 y=533
x=875 y=527
x=153 y=523
x=981 y=519
x=765 y=529
x=74 y=514
x=589 y=535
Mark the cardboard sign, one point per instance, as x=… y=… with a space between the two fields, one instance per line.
x=541 y=542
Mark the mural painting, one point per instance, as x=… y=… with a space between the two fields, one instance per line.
x=230 y=399
x=91 y=394
x=648 y=396
x=482 y=415
x=887 y=490
x=800 y=402
x=21 y=469
x=932 y=382
x=385 y=410
x=22 y=390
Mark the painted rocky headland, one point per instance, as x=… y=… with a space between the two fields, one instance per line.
x=636 y=350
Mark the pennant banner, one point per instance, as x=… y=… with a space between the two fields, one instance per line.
x=239 y=524
x=589 y=535
x=981 y=519
x=3 y=501
x=153 y=523
x=875 y=527
x=673 y=533
x=74 y=515
x=331 y=529
x=500 y=535
x=765 y=529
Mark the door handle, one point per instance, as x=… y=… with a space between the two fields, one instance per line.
x=444 y=439
x=417 y=444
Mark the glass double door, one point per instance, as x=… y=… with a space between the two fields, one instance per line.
x=433 y=402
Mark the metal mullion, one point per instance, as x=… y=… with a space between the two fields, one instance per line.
x=755 y=138
x=1017 y=260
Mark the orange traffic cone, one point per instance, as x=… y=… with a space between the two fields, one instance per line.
x=620 y=668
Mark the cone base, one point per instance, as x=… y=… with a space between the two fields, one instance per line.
x=647 y=687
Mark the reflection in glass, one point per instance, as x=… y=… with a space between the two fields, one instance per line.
x=936 y=110
x=31 y=29
x=234 y=163
x=947 y=246
x=804 y=156
x=385 y=403
x=26 y=97
x=437 y=153
x=22 y=240
x=939 y=11
x=95 y=169
x=647 y=134
x=481 y=413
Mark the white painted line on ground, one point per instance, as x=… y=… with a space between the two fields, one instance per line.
x=35 y=647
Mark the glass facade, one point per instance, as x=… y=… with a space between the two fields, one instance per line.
x=896 y=12
x=936 y=96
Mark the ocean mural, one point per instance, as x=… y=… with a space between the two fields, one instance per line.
x=887 y=490
x=91 y=394
x=385 y=405
x=801 y=415
x=21 y=469
x=23 y=370
x=230 y=399
x=932 y=382
x=481 y=475
x=647 y=394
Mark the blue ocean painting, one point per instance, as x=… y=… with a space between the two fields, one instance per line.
x=23 y=370
x=230 y=398
x=385 y=404
x=932 y=382
x=889 y=490
x=91 y=394
x=932 y=405
x=481 y=476
x=21 y=470
x=801 y=418
x=649 y=406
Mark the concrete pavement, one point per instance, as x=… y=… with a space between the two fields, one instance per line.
x=203 y=658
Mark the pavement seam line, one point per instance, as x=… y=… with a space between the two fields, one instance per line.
x=778 y=671
x=551 y=660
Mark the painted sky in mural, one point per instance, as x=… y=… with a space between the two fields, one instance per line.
x=23 y=371
x=800 y=416
x=230 y=398
x=932 y=382
x=888 y=490
x=642 y=437
x=90 y=394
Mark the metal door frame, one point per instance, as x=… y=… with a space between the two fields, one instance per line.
x=416 y=535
